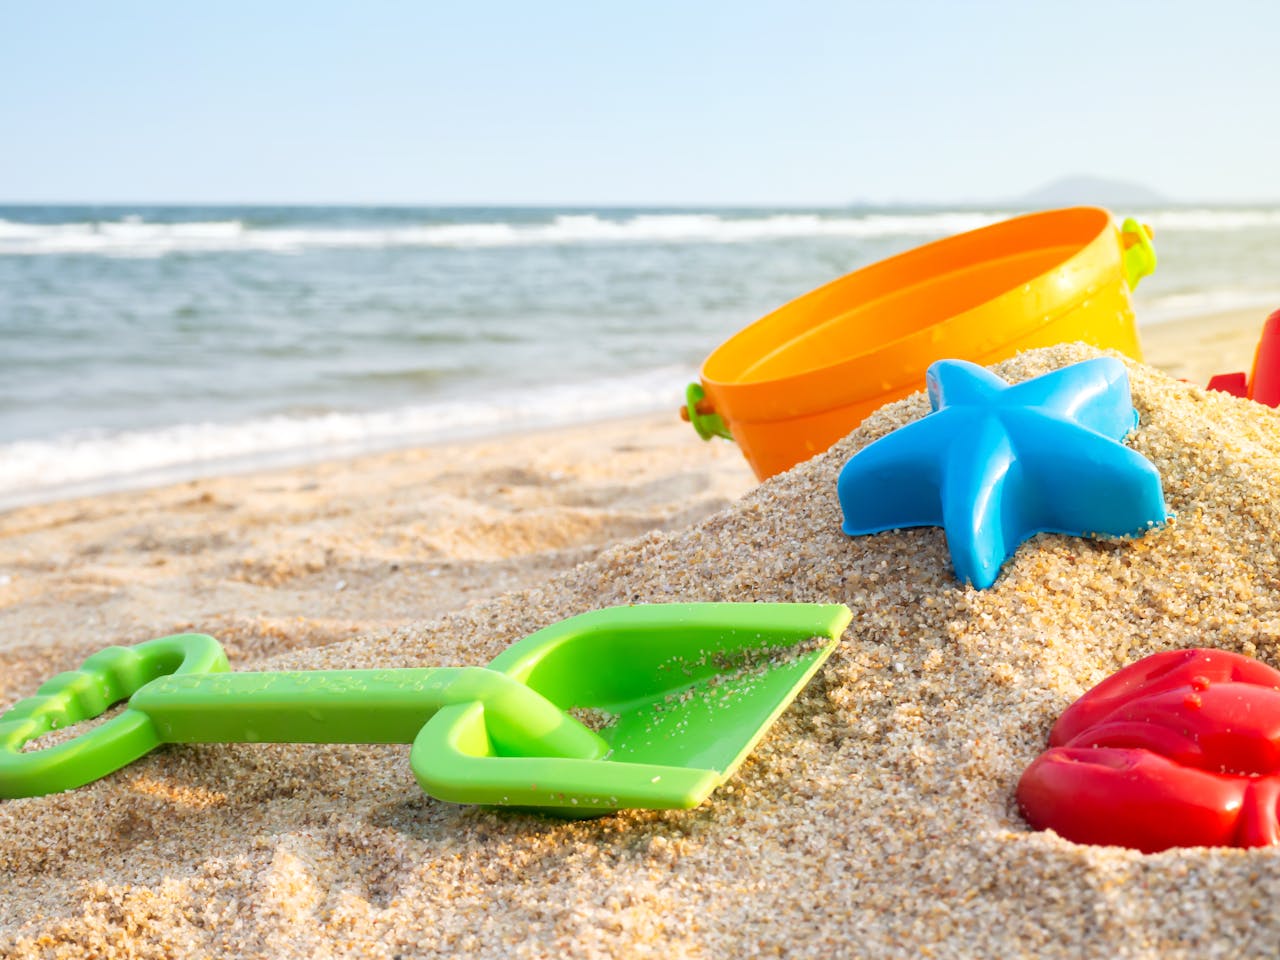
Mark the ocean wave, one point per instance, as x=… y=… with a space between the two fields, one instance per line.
x=84 y=463
x=1151 y=310
x=1208 y=220
x=136 y=238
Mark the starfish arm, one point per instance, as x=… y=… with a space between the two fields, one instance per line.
x=1093 y=394
x=954 y=383
x=894 y=482
x=982 y=472
x=1086 y=483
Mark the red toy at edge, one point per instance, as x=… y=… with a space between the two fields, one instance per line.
x=1181 y=749
x=1263 y=384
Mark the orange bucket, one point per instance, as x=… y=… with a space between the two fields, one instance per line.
x=796 y=381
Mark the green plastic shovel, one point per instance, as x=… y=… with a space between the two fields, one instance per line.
x=677 y=694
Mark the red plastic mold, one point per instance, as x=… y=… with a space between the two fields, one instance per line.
x=1181 y=749
x=1263 y=384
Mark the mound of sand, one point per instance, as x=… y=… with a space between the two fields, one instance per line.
x=876 y=819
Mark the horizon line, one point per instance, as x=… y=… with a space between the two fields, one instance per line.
x=968 y=204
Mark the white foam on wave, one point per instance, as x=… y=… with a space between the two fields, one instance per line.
x=134 y=238
x=1203 y=303
x=1210 y=220
x=87 y=463
x=129 y=237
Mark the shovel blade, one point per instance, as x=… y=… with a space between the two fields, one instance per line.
x=679 y=692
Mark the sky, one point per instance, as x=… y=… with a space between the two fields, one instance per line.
x=692 y=103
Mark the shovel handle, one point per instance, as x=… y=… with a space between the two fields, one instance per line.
x=179 y=691
x=358 y=706
x=109 y=676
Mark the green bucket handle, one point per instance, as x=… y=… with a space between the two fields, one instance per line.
x=1139 y=253
x=698 y=411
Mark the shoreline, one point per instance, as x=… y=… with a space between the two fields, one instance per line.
x=1190 y=348
x=302 y=458
x=84 y=462
x=310 y=554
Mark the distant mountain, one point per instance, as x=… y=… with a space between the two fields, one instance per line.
x=1095 y=191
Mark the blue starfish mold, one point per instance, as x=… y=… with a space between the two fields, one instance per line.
x=995 y=464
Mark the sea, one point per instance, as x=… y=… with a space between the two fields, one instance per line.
x=147 y=344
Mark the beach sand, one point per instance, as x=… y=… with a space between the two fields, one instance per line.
x=875 y=819
x=1196 y=348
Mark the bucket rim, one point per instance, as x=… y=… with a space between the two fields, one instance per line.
x=719 y=386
